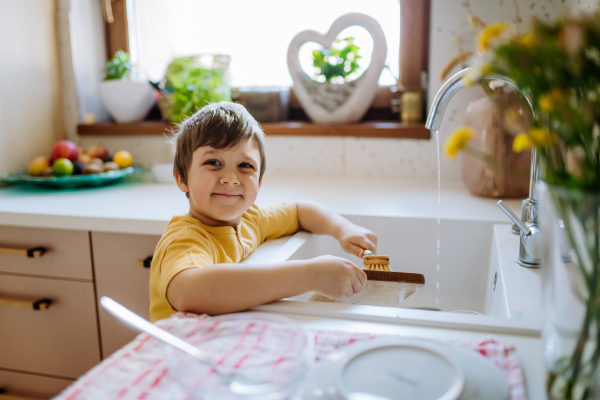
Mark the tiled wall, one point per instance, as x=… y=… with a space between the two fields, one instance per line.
x=384 y=158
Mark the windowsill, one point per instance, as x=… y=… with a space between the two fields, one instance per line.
x=371 y=129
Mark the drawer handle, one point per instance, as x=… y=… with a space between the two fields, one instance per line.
x=41 y=304
x=34 y=252
x=146 y=262
x=4 y=396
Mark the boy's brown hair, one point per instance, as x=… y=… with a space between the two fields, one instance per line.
x=220 y=125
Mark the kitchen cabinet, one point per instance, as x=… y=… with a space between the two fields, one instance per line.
x=47 y=308
x=16 y=385
x=121 y=275
x=65 y=274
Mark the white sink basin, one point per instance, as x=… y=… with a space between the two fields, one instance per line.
x=464 y=282
x=411 y=244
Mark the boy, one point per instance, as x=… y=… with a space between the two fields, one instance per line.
x=219 y=165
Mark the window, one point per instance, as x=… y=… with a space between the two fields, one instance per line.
x=203 y=26
x=256 y=34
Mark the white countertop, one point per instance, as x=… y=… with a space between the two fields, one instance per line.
x=142 y=207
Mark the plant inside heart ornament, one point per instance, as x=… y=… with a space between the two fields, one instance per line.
x=328 y=103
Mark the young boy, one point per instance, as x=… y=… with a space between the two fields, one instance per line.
x=219 y=165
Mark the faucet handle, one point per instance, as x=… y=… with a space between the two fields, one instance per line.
x=513 y=217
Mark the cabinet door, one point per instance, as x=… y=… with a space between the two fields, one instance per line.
x=67 y=252
x=61 y=340
x=118 y=276
x=16 y=385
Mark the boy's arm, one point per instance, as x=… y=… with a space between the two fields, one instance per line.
x=224 y=288
x=318 y=219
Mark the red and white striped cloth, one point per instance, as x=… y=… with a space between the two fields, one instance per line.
x=139 y=369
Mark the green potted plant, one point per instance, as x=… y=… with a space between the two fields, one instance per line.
x=126 y=97
x=192 y=82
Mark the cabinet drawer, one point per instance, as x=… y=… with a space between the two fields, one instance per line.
x=29 y=386
x=67 y=252
x=61 y=340
x=119 y=277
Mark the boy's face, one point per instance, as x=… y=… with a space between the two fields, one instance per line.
x=222 y=184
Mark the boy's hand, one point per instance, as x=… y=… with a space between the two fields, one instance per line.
x=355 y=240
x=335 y=277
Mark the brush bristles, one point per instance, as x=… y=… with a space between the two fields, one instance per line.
x=377 y=263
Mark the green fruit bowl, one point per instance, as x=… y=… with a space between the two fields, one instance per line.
x=73 y=181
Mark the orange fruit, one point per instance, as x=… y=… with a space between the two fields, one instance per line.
x=38 y=165
x=123 y=159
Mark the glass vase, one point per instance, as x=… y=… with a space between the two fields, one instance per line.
x=570 y=224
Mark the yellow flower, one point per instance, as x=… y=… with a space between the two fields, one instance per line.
x=521 y=143
x=528 y=41
x=541 y=137
x=458 y=140
x=549 y=101
x=495 y=34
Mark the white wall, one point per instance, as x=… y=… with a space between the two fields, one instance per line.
x=386 y=158
x=31 y=106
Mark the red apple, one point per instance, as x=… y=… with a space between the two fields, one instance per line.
x=64 y=149
x=97 y=151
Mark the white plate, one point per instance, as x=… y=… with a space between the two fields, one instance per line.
x=399 y=369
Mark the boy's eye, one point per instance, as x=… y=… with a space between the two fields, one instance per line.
x=213 y=162
x=246 y=165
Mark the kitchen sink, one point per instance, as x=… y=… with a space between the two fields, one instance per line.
x=467 y=288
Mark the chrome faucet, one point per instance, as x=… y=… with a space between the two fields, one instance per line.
x=527 y=226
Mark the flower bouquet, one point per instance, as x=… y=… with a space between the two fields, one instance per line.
x=557 y=65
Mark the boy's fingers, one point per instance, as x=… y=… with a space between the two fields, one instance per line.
x=356 y=284
x=362 y=276
x=349 y=291
x=366 y=244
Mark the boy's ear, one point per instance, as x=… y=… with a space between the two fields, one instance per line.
x=182 y=186
x=260 y=182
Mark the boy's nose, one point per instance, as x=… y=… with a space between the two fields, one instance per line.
x=229 y=178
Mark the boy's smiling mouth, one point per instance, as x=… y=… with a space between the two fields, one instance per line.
x=227 y=195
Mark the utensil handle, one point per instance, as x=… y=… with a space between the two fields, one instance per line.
x=134 y=321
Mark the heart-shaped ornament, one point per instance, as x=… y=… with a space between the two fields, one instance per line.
x=327 y=103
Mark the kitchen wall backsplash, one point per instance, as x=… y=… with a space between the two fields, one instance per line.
x=31 y=107
x=339 y=157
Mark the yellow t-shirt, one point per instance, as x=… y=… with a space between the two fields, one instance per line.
x=188 y=243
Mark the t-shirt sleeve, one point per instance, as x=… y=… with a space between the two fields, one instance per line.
x=279 y=220
x=182 y=254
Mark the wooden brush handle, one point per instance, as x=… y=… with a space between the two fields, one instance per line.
x=391 y=276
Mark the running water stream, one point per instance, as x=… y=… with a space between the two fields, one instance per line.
x=437 y=282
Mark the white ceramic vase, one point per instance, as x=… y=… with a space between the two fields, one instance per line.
x=125 y=100
x=327 y=103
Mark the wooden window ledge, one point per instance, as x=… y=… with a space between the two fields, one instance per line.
x=372 y=129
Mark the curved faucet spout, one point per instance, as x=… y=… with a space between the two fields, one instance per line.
x=434 y=119
x=453 y=85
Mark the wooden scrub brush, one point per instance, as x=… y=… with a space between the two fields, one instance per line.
x=375 y=262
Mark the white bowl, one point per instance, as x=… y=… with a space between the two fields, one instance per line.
x=252 y=356
x=125 y=100
x=163 y=172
